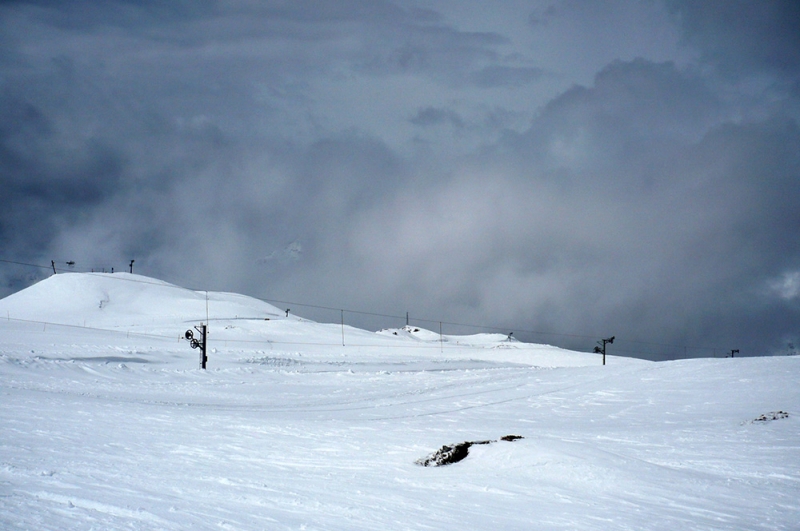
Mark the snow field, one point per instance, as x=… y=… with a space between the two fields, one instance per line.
x=288 y=430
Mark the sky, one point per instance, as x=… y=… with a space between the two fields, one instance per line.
x=567 y=170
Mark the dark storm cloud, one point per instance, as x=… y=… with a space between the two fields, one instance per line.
x=498 y=76
x=631 y=103
x=373 y=155
x=743 y=37
x=41 y=180
x=698 y=210
x=630 y=207
x=435 y=116
x=540 y=17
x=120 y=98
x=438 y=51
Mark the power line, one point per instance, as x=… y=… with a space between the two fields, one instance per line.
x=401 y=317
x=429 y=345
x=266 y=342
x=79 y=327
x=24 y=264
x=70 y=269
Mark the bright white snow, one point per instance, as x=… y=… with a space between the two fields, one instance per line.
x=106 y=422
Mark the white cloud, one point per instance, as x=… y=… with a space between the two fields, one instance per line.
x=787 y=286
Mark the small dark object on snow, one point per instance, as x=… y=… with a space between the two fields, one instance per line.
x=449 y=454
x=773 y=415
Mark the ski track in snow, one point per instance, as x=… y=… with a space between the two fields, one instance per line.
x=102 y=430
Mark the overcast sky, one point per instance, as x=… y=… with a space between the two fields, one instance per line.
x=580 y=168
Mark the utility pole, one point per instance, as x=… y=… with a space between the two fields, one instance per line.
x=599 y=350
x=53 y=263
x=132 y=266
x=734 y=351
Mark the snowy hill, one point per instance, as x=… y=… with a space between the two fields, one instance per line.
x=123 y=299
x=146 y=306
x=107 y=423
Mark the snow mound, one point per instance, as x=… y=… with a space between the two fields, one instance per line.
x=121 y=299
x=478 y=340
x=413 y=332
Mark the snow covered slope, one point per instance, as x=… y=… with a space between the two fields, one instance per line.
x=146 y=307
x=106 y=423
x=123 y=299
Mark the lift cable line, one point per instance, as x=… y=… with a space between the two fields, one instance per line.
x=438 y=344
x=55 y=266
x=401 y=317
x=266 y=342
x=24 y=264
x=487 y=327
x=423 y=320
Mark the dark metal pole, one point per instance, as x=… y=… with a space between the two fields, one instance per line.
x=598 y=350
x=197 y=343
x=53 y=263
x=204 y=358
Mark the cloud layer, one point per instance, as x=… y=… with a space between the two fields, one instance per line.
x=515 y=168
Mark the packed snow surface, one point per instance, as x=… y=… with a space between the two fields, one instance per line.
x=106 y=422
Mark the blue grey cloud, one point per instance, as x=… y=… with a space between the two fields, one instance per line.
x=435 y=116
x=575 y=188
x=498 y=76
x=741 y=37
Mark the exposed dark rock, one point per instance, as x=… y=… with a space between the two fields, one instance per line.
x=449 y=454
x=773 y=415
